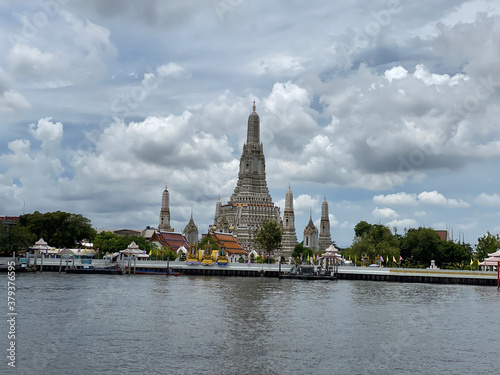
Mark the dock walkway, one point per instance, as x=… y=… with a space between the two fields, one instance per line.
x=272 y=270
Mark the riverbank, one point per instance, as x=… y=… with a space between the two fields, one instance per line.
x=408 y=275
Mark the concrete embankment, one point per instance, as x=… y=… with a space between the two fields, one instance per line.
x=272 y=270
x=409 y=275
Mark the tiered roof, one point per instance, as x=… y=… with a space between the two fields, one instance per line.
x=171 y=239
x=228 y=242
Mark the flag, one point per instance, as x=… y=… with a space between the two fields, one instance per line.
x=400 y=258
x=249 y=261
x=301 y=257
x=471 y=262
x=393 y=259
x=355 y=259
x=382 y=259
x=349 y=258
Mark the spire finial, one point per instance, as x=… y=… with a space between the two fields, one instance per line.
x=254 y=107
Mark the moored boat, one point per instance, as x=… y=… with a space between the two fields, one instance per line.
x=309 y=273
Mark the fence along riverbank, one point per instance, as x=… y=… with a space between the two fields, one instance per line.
x=272 y=270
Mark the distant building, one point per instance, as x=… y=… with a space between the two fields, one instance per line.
x=251 y=202
x=191 y=231
x=311 y=235
x=122 y=232
x=128 y=232
x=164 y=224
x=443 y=234
x=9 y=221
x=289 y=236
x=171 y=240
x=325 y=238
x=230 y=243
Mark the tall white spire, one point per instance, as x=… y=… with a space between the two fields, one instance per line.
x=164 y=224
x=325 y=238
x=289 y=238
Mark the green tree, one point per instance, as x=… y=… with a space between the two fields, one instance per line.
x=300 y=249
x=421 y=246
x=14 y=239
x=361 y=228
x=373 y=241
x=455 y=254
x=59 y=229
x=487 y=244
x=268 y=236
x=208 y=240
x=109 y=242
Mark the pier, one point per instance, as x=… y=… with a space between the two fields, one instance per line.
x=407 y=275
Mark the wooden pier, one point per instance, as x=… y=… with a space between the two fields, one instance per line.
x=405 y=275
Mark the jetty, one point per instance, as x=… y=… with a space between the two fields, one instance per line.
x=407 y=275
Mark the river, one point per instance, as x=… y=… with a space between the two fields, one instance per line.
x=100 y=324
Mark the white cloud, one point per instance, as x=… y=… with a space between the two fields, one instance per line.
x=171 y=70
x=32 y=62
x=422 y=73
x=279 y=63
x=304 y=204
x=333 y=220
x=11 y=100
x=49 y=133
x=402 y=198
x=397 y=72
x=403 y=224
x=437 y=199
x=488 y=200
x=420 y=213
x=384 y=213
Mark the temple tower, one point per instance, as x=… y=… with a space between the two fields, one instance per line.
x=289 y=238
x=311 y=235
x=165 y=212
x=191 y=231
x=250 y=202
x=325 y=238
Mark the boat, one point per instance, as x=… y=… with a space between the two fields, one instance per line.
x=113 y=270
x=306 y=272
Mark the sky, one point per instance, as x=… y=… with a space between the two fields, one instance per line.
x=388 y=109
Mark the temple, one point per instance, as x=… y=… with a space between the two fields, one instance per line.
x=251 y=202
x=164 y=224
x=325 y=238
x=191 y=231
x=310 y=235
x=289 y=237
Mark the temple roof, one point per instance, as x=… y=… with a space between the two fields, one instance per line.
x=229 y=242
x=171 y=239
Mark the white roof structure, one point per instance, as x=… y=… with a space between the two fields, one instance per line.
x=41 y=245
x=133 y=249
x=492 y=259
x=331 y=252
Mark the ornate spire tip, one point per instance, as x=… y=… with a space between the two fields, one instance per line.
x=254 y=107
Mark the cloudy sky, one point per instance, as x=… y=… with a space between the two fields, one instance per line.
x=390 y=109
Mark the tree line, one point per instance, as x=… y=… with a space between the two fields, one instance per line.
x=416 y=248
x=59 y=229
